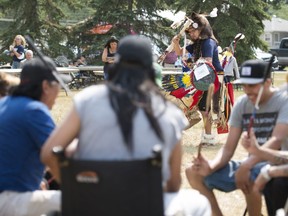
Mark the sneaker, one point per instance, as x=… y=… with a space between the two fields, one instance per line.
x=208 y=139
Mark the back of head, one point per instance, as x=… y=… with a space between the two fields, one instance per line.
x=134 y=74
x=135 y=50
x=32 y=75
x=134 y=53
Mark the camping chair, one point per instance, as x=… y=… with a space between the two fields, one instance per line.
x=111 y=187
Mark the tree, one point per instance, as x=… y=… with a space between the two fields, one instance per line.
x=126 y=17
x=40 y=19
x=234 y=16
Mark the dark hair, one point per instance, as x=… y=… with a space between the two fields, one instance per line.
x=3 y=85
x=204 y=26
x=111 y=40
x=33 y=91
x=7 y=83
x=130 y=87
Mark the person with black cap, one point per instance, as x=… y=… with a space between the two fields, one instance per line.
x=25 y=124
x=270 y=123
x=131 y=116
x=272 y=180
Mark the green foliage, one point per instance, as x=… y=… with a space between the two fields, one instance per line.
x=60 y=27
x=38 y=18
x=139 y=16
x=4 y=59
x=234 y=17
x=281 y=12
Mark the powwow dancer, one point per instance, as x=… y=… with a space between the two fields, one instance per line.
x=206 y=66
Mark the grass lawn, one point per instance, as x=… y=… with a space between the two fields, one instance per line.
x=232 y=203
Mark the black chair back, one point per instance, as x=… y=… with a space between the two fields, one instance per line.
x=107 y=188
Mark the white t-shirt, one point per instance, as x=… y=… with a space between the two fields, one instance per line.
x=101 y=138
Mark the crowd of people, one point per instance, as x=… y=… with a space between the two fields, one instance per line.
x=130 y=108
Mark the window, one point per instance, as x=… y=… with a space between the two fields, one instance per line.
x=277 y=37
x=267 y=37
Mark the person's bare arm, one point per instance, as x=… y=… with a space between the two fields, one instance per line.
x=104 y=55
x=16 y=53
x=227 y=151
x=272 y=172
x=61 y=136
x=173 y=184
x=176 y=45
x=270 y=150
x=258 y=154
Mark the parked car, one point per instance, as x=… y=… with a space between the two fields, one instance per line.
x=265 y=56
x=282 y=53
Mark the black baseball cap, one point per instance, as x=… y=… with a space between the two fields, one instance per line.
x=253 y=72
x=135 y=49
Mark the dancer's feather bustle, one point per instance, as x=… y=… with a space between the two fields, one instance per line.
x=176 y=81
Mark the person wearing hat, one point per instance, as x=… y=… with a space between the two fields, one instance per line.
x=25 y=124
x=131 y=110
x=205 y=47
x=273 y=177
x=270 y=126
x=109 y=54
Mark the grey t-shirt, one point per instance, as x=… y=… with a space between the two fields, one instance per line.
x=100 y=136
x=273 y=112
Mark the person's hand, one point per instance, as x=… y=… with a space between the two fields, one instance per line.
x=249 y=142
x=201 y=165
x=176 y=40
x=110 y=60
x=242 y=179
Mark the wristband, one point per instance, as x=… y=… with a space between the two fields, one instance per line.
x=264 y=172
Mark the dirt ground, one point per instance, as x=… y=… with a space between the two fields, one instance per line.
x=232 y=204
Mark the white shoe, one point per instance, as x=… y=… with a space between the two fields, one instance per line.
x=208 y=139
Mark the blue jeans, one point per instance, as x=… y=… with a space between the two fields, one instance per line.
x=15 y=65
x=224 y=178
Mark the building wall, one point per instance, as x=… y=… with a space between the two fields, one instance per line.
x=274 y=30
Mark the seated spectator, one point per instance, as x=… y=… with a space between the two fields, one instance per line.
x=130 y=107
x=6 y=82
x=28 y=57
x=81 y=61
x=270 y=122
x=274 y=176
x=25 y=124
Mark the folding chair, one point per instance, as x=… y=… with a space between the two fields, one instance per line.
x=109 y=188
